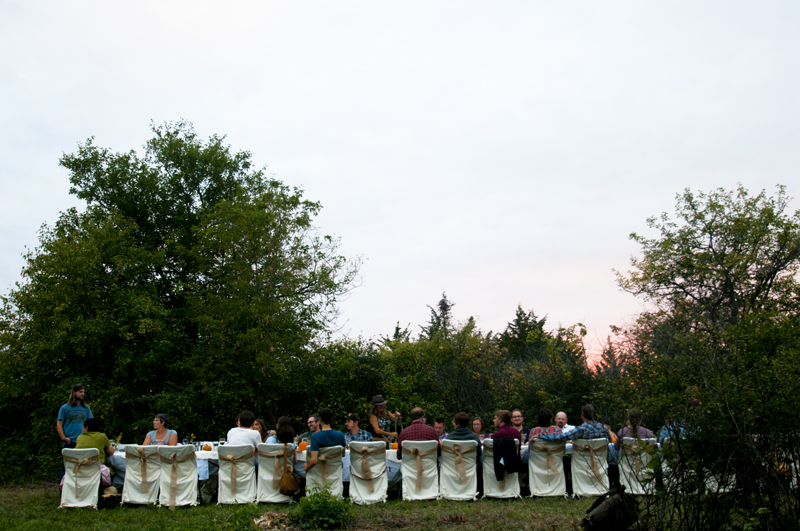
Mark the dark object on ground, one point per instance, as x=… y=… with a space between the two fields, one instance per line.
x=612 y=511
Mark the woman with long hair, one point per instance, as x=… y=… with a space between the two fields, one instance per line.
x=477 y=427
x=261 y=427
x=284 y=433
x=381 y=420
x=544 y=424
x=633 y=429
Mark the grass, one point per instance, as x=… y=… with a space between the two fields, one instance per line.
x=35 y=507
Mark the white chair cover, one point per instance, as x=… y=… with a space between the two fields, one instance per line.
x=237 y=474
x=368 y=480
x=633 y=466
x=328 y=470
x=270 y=469
x=420 y=477
x=458 y=479
x=142 y=472
x=590 y=467
x=82 y=477
x=509 y=487
x=546 y=468
x=178 y=481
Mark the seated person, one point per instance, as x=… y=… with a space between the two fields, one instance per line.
x=313 y=427
x=463 y=433
x=544 y=424
x=354 y=432
x=634 y=428
x=590 y=429
x=284 y=433
x=243 y=433
x=161 y=435
x=92 y=438
x=324 y=438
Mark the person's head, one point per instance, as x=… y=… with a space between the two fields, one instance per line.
x=545 y=418
x=438 y=425
x=561 y=419
x=461 y=420
x=605 y=421
x=260 y=426
x=378 y=406
x=326 y=416
x=501 y=417
x=634 y=420
x=284 y=431
x=160 y=421
x=91 y=425
x=517 y=418
x=246 y=419
x=416 y=414
x=351 y=423
x=588 y=413
x=313 y=423
x=477 y=425
x=77 y=395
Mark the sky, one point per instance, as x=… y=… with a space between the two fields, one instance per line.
x=501 y=154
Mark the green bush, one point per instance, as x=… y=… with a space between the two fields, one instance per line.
x=320 y=509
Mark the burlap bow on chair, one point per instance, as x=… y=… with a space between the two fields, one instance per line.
x=78 y=464
x=173 y=459
x=551 y=464
x=637 y=451
x=418 y=455
x=593 y=461
x=234 y=468
x=140 y=455
x=277 y=470
x=366 y=470
x=456 y=449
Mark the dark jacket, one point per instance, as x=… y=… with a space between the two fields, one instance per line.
x=505 y=450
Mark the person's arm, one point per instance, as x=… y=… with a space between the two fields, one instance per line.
x=173 y=439
x=109 y=449
x=60 y=430
x=373 y=420
x=312 y=460
x=147 y=440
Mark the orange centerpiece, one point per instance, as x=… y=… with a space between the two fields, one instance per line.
x=302 y=446
x=394 y=446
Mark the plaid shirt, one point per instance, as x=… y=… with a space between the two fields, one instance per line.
x=539 y=431
x=361 y=436
x=591 y=429
x=416 y=431
x=507 y=432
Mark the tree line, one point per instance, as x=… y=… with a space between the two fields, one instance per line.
x=194 y=284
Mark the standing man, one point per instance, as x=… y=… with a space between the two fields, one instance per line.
x=561 y=422
x=416 y=431
x=313 y=427
x=323 y=438
x=354 y=433
x=438 y=425
x=72 y=415
x=516 y=423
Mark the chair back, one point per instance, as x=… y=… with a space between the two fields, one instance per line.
x=82 y=477
x=237 y=474
x=546 y=468
x=368 y=478
x=633 y=470
x=419 y=469
x=271 y=465
x=590 y=467
x=142 y=473
x=328 y=470
x=508 y=487
x=458 y=478
x=178 y=479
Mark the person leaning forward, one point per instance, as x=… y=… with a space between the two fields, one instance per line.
x=416 y=431
x=324 y=438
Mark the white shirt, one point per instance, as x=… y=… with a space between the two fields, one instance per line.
x=241 y=436
x=567 y=428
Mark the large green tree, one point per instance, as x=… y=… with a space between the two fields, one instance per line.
x=189 y=284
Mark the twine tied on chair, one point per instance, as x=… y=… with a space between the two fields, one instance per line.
x=638 y=453
x=140 y=455
x=456 y=449
x=78 y=464
x=173 y=459
x=551 y=464
x=418 y=455
x=593 y=461
x=234 y=468
x=366 y=470
x=277 y=470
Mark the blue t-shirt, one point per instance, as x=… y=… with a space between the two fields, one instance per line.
x=155 y=442
x=323 y=439
x=73 y=418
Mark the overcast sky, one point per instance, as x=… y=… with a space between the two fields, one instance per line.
x=499 y=152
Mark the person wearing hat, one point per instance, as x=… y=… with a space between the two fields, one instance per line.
x=381 y=420
x=354 y=433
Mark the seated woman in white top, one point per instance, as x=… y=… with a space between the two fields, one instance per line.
x=161 y=435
